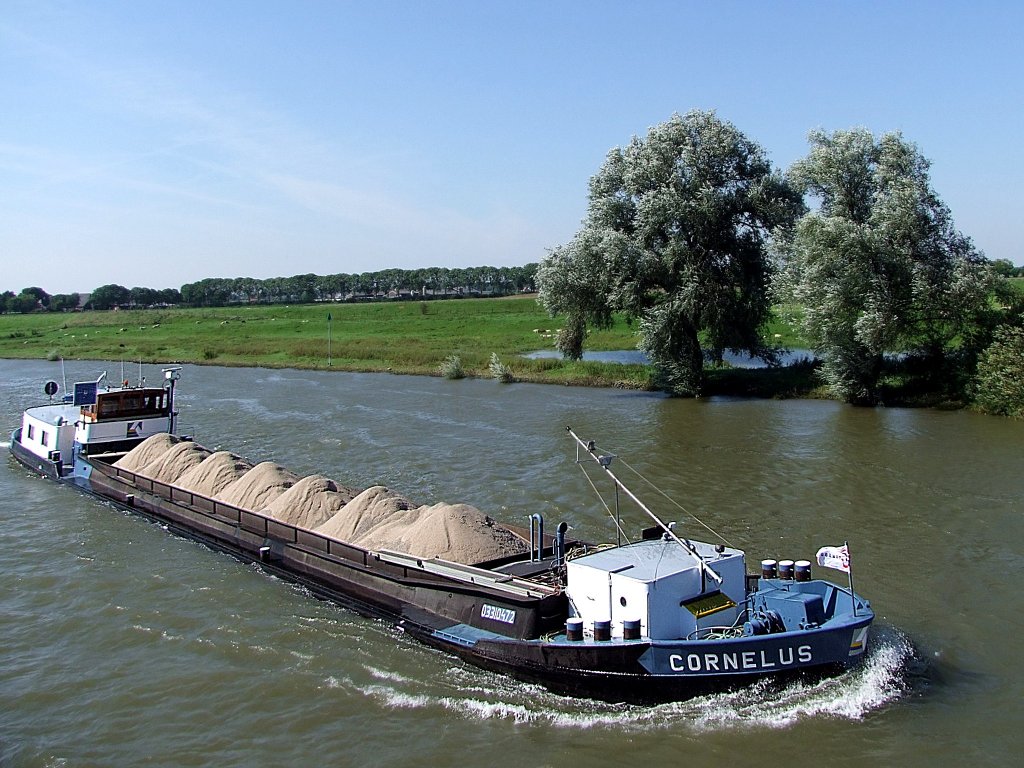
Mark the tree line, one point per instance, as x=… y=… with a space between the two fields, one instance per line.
x=428 y=283
x=35 y=299
x=425 y=283
x=694 y=235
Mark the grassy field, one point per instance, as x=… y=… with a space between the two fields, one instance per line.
x=399 y=337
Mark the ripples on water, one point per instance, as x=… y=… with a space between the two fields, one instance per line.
x=123 y=645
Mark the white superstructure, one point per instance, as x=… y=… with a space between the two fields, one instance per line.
x=97 y=420
x=660 y=584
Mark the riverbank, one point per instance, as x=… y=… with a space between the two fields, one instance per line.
x=407 y=337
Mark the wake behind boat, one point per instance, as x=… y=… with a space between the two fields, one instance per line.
x=661 y=618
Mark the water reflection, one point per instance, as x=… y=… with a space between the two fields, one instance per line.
x=636 y=357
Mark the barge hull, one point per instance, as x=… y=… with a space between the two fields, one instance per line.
x=451 y=613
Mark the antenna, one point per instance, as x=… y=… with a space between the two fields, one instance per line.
x=605 y=463
x=171 y=376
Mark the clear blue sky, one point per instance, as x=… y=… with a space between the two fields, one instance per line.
x=157 y=143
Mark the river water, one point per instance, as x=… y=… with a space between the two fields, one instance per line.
x=121 y=644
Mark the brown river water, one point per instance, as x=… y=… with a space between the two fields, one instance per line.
x=123 y=645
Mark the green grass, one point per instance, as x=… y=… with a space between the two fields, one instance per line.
x=401 y=337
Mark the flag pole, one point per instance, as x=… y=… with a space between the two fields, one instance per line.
x=849 y=572
x=329 y=339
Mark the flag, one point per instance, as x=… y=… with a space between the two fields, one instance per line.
x=835 y=557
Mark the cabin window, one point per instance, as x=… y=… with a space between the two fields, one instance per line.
x=44 y=437
x=112 y=405
x=31 y=431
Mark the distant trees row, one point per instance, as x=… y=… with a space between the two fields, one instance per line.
x=430 y=282
x=35 y=299
x=111 y=296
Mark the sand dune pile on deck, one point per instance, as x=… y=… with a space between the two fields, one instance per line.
x=372 y=508
x=313 y=500
x=457 y=532
x=258 y=487
x=382 y=519
x=175 y=462
x=149 y=449
x=214 y=473
x=374 y=519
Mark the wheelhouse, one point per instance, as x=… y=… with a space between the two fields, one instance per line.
x=139 y=403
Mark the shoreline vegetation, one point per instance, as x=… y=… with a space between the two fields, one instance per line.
x=406 y=337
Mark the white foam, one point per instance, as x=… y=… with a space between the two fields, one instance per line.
x=383 y=674
x=851 y=696
x=338 y=682
x=397 y=699
x=479 y=695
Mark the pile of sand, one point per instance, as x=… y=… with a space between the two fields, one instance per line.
x=175 y=462
x=313 y=500
x=381 y=519
x=374 y=519
x=149 y=449
x=373 y=507
x=456 y=532
x=214 y=473
x=258 y=487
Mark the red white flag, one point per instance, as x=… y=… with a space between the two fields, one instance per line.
x=835 y=557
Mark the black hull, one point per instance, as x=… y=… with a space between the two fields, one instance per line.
x=441 y=610
x=558 y=676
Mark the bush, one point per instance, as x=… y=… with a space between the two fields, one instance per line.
x=999 y=384
x=452 y=368
x=499 y=370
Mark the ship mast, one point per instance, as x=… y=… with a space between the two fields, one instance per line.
x=605 y=462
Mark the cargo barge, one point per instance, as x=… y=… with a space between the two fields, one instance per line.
x=662 y=618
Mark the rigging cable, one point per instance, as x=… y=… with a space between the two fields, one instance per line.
x=603 y=502
x=672 y=501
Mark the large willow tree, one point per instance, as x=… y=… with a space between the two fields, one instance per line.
x=675 y=238
x=878 y=266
